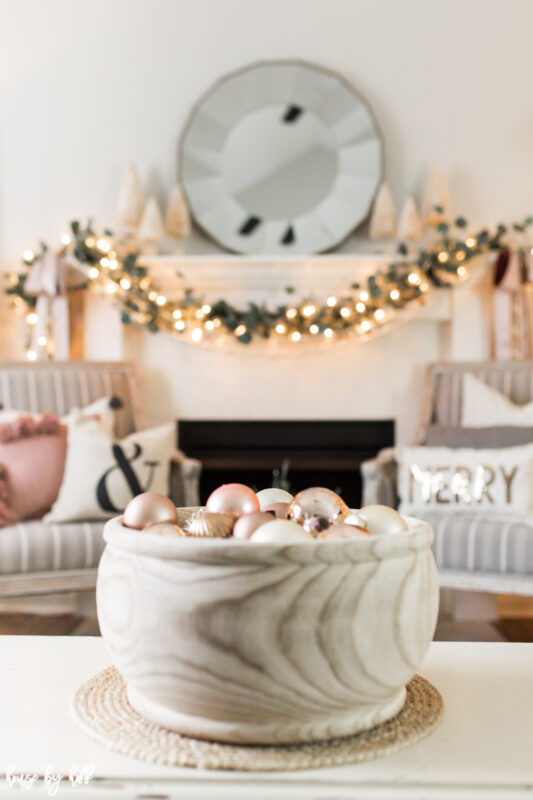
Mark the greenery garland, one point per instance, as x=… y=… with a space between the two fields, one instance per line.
x=112 y=267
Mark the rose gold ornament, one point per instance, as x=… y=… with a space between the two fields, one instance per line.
x=279 y=509
x=248 y=523
x=232 y=498
x=316 y=525
x=343 y=531
x=164 y=529
x=147 y=508
x=207 y=524
x=318 y=502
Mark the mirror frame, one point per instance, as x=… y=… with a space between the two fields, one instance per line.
x=326 y=229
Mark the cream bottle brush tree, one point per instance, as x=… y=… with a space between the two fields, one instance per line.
x=410 y=227
x=130 y=199
x=383 y=219
x=151 y=229
x=177 y=218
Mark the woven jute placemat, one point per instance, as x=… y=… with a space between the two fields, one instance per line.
x=101 y=709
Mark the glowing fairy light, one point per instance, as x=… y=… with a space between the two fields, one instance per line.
x=296 y=336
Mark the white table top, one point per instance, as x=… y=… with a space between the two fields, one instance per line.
x=482 y=748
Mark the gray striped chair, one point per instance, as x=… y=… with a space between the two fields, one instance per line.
x=473 y=551
x=36 y=558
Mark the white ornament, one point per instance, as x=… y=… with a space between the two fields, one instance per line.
x=383 y=219
x=130 y=199
x=177 y=218
x=382 y=519
x=436 y=196
x=268 y=496
x=281 y=531
x=410 y=226
x=151 y=228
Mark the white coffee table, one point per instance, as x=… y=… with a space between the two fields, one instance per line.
x=482 y=749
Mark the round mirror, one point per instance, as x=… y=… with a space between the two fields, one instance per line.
x=281 y=157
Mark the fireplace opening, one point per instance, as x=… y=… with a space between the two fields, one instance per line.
x=295 y=455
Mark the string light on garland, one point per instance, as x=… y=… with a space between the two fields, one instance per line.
x=109 y=267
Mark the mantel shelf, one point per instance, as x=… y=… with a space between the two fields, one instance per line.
x=198 y=249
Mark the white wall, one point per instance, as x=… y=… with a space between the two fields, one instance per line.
x=86 y=86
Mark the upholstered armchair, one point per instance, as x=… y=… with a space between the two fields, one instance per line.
x=473 y=550
x=39 y=558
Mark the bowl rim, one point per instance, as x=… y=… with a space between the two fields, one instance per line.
x=376 y=547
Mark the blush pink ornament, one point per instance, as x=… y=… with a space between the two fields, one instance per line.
x=147 y=508
x=279 y=509
x=165 y=529
x=232 y=498
x=248 y=523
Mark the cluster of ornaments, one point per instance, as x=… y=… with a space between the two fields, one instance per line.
x=269 y=516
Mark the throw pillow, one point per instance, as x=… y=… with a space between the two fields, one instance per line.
x=32 y=458
x=493 y=437
x=444 y=479
x=102 y=475
x=484 y=407
x=101 y=409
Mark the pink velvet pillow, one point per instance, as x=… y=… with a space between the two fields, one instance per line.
x=32 y=461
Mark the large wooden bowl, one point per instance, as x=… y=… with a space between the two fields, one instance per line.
x=261 y=643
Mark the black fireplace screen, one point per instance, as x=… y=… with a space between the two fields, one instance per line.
x=294 y=455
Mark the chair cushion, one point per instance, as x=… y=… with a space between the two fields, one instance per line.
x=33 y=546
x=475 y=542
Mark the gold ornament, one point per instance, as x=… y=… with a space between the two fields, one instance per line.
x=210 y=525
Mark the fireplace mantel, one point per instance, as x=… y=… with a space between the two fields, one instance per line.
x=265 y=279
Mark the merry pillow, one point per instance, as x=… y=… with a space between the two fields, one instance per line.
x=446 y=479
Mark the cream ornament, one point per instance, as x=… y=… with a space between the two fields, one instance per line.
x=267 y=497
x=151 y=228
x=384 y=219
x=130 y=199
x=410 y=227
x=436 y=195
x=382 y=520
x=281 y=531
x=177 y=217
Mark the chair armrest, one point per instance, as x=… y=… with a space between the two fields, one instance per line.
x=379 y=476
x=185 y=480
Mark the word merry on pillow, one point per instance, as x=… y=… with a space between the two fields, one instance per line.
x=446 y=479
x=102 y=475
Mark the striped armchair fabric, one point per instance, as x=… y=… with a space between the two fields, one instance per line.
x=472 y=550
x=36 y=558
